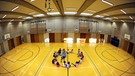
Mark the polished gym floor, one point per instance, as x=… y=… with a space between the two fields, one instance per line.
x=35 y=59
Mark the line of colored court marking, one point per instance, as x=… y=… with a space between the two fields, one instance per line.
x=92 y=61
x=43 y=61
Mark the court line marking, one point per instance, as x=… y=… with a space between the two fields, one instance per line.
x=43 y=61
x=92 y=61
x=90 y=65
x=107 y=66
x=19 y=67
x=49 y=57
x=112 y=65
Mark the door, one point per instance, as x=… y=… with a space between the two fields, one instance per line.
x=51 y=37
x=130 y=48
x=11 y=44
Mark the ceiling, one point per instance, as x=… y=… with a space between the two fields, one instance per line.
x=112 y=10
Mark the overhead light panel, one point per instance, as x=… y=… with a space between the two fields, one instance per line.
x=86 y=14
x=12 y=20
x=70 y=13
x=122 y=20
x=123 y=11
x=53 y=13
x=32 y=0
x=20 y=17
x=4 y=16
x=15 y=8
x=27 y=18
x=108 y=18
x=99 y=16
x=107 y=2
x=131 y=17
x=115 y=17
x=39 y=15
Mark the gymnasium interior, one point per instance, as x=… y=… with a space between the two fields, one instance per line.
x=33 y=31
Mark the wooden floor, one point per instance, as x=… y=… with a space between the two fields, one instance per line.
x=34 y=59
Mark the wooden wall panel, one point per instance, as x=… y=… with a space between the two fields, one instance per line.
x=83 y=27
x=76 y=35
x=41 y=28
x=11 y=44
x=130 y=48
x=41 y=37
x=52 y=37
x=93 y=35
x=97 y=36
x=87 y=37
x=58 y=37
x=17 y=41
x=64 y=35
x=36 y=37
x=33 y=29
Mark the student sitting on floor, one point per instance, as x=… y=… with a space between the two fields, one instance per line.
x=68 y=65
x=59 y=51
x=76 y=64
x=54 y=61
x=64 y=64
x=57 y=64
x=63 y=56
x=79 y=52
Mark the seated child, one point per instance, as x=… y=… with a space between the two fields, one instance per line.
x=57 y=64
x=64 y=64
x=68 y=65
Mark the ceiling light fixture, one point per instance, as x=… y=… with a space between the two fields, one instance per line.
x=32 y=0
x=115 y=17
x=4 y=16
x=123 y=11
x=15 y=8
x=47 y=6
x=105 y=1
x=20 y=17
x=86 y=14
x=131 y=17
x=122 y=20
x=53 y=13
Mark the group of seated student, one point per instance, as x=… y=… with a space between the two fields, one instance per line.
x=66 y=65
x=63 y=53
x=81 y=56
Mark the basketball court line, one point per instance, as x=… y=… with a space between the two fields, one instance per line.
x=49 y=56
x=92 y=61
x=21 y=66
x=43 y=61
x=112 y=65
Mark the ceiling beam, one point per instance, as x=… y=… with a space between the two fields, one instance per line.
x=118 y=15
x=26 y=4
x=122 y=6
x=85 y=5
x=59 y=5
x=14 y=13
